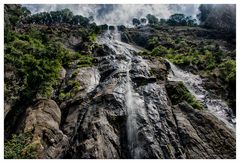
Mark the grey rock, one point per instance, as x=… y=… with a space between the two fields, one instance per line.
x=202 y=134
x=43 y=120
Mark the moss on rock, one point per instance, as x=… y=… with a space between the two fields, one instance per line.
x=178 y=93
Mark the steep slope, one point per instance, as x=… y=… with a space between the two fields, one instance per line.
x=127 y=114
x=106 y=98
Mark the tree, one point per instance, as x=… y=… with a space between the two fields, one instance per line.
x=136 y=22
x=181 y=20
x=162 y=21
x=152 y=19
x=55 y=17
x=177 y=19
x=76 y=20
x=14 y=14
x=80 y=20
x=143 y=20
x=190 y=21
x=25 y=12
x=67 y=15
x=91 y=19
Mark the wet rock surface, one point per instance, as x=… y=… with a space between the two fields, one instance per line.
x=110 y=122
x=123 y=110
x=203 y=135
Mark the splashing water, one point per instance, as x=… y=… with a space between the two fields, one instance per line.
x=194 y=84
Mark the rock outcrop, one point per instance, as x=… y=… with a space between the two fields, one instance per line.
x=42 y=120
x=202 y=134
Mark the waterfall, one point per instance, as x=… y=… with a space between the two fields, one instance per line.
x=116 y=34
x=131 y=118
x=194 y=84
x=113 y=40
x=108 y=30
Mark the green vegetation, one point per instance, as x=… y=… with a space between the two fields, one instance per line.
x=31 y=58
x=181 y=52
x=14 y=15
x=174 y=20
x=55 y=17
x=179 y=93
x=36 y=49
x=70 y=91
x=158 y=51
x=208 y=58
x=64 y=96
x=152 y=19
x=136 y=22
x=228 y=70
x=37 y=53
x=181 y=20
x=20 y=147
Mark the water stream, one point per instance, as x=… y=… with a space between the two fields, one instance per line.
x=113 y=40
x=194 y=83
x=124 y=59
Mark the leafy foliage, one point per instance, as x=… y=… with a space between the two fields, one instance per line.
x=30 y=55
x=20 y=147
x=179 y=93
x=162 y=21
x=31 y=58
x=152 y=19
x=136 y=22
x=228 y=71
x=143 y=20
x=37 y=54
x=174 y=20
x=13 y=14
x=181 y=20
x=56 y=17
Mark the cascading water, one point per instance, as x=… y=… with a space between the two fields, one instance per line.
x=113 y=40
x=131 y=119
x=145 y=104
x=127 y=114
x=195 y=85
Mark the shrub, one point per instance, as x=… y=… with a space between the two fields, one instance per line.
x=179 y=93
x=228 y=71
x=63 y=96
x=159 y=51
x=20 y=147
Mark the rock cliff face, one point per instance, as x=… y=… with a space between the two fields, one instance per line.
x=43 y=120
x=123 y=110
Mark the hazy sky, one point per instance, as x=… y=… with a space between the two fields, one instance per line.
x=117 y=14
